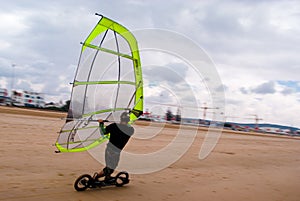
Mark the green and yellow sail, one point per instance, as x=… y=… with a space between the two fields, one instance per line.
x=108 y=81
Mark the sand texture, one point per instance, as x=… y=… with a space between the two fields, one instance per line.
x=241 y=167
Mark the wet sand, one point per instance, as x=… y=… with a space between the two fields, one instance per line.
x=241 y=167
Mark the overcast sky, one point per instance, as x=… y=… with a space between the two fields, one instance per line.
x=254 y=45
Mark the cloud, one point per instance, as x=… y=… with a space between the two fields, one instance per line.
x=289 y=87
x=173 y=73
x=268 y=87
x=221 y=88
x=287 y=91
x=244 y=90
x=247 y=37
x=265 y=88
x=168 y=85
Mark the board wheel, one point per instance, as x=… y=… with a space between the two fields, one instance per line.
x=83 y=182
x=122 y=178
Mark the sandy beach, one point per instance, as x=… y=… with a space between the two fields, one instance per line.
x=241 y=167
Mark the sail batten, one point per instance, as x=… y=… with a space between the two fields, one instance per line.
x=109 y=51
x=104 y=82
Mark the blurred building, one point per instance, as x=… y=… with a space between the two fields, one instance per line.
x=28 y=99
x=3 y=96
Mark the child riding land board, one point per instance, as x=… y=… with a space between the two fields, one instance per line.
x=109 y=64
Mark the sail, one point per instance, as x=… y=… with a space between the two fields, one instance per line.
x=108 y=81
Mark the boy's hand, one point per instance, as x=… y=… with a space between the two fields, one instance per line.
x=100 y=120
